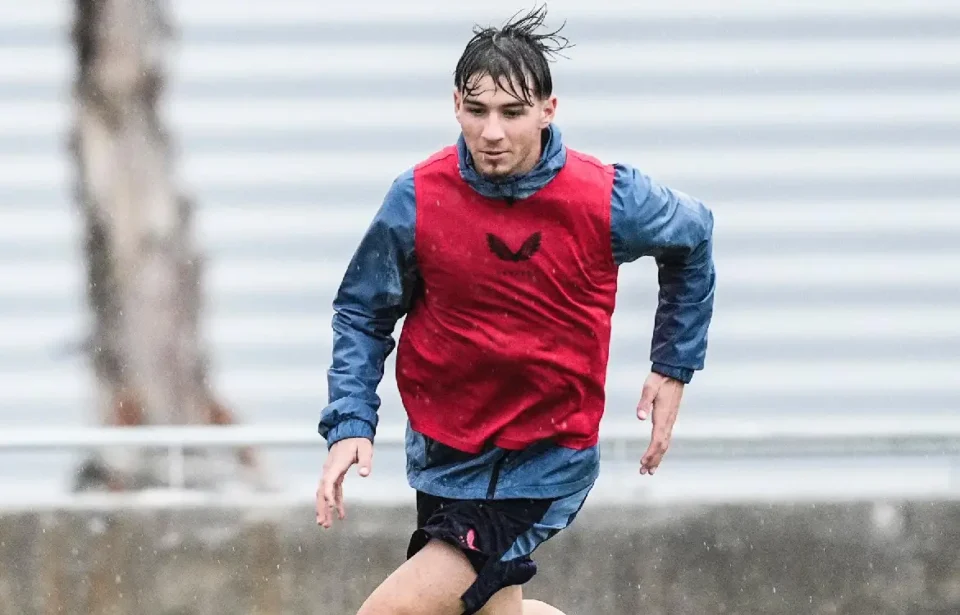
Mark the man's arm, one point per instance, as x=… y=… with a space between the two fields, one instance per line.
x=649 y=219
x=375 y=293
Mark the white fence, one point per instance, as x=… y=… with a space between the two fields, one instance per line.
x=718 y=439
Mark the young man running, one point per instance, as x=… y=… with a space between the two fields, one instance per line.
x=502 y=251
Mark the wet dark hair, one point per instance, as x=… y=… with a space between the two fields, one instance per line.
x=514 y=56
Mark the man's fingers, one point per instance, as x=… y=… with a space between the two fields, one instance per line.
x=649 y=461
x=332 y=477
x=319 y=507
x=323 y=511
x=338 y=497
x=654 y=454
x=330 y=488
x=329 y=501
x=342 y=455
x=365 y=457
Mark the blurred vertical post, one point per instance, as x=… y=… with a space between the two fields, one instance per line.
x=143 y=267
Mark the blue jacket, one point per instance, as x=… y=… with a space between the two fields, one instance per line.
x=647 y=219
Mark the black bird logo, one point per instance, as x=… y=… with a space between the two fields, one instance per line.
x=504 y=253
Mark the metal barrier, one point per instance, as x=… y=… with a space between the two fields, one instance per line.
x=913 y=434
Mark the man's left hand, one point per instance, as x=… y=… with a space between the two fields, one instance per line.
x=660 y=399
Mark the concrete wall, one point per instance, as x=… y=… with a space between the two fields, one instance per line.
x=864 y=559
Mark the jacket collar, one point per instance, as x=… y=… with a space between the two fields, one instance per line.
x=552 y=159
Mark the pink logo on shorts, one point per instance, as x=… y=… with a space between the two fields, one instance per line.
x=471 y=539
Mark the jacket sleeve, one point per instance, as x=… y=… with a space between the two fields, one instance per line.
x=375 y=293
x=649 y=219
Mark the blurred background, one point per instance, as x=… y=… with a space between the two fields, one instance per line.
x=825 y=135
x=177 y=209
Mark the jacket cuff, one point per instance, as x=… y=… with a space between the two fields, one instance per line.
x=350 y=428
x=683 y=374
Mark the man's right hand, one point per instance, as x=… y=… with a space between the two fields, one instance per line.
x=341 y=456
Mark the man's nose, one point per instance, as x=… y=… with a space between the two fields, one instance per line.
x=492 y=131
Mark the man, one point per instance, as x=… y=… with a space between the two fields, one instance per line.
x=503 y=253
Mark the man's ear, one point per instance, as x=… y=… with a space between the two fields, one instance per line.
x=457 y=102
x=548 y=112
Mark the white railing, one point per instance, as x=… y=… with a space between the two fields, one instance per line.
x=911 y=434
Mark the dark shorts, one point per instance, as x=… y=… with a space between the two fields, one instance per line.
x=497 y=536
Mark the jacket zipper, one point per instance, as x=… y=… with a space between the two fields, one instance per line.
x=495 y=475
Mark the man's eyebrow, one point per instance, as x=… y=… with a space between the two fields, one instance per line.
x=510 y=105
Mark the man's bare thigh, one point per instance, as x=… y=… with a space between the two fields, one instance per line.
x=431 y=583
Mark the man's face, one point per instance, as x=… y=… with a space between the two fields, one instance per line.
x=501 y=132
